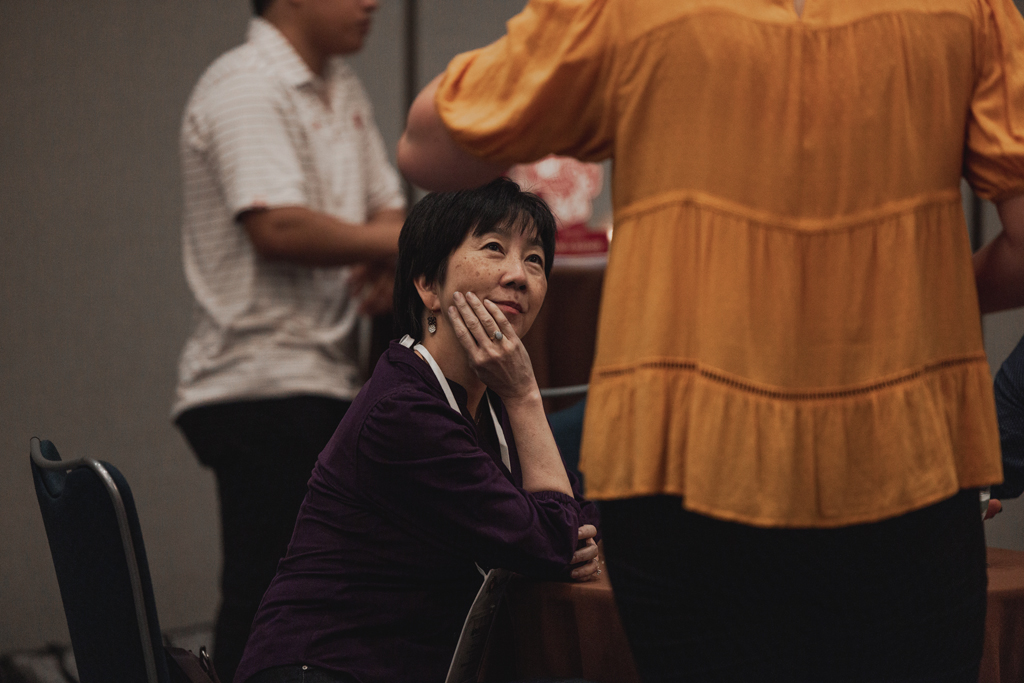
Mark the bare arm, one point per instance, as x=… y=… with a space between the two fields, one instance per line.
x=430 y=158
x=542 y=466
x=999 y=265
x=299 y=235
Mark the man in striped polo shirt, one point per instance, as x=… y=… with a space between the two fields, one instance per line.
x=292 y=214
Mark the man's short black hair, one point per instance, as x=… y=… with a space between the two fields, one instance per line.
x=438 y=224
x=260 y=6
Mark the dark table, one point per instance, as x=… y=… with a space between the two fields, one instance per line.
x=572 y=630
x=1003 y=658
x=549 y=629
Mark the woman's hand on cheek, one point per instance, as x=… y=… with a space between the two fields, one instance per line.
x=502 y=364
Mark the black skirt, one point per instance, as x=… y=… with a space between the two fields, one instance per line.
x=706 y=600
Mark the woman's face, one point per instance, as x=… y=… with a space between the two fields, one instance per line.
x=504 y=266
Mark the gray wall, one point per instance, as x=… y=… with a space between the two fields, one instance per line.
x=93 y=304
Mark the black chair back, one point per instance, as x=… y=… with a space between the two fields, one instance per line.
x=100 y=560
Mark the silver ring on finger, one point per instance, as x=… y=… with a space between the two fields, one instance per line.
x=498 y=336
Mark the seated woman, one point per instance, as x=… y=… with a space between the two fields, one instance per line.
x=443 y=464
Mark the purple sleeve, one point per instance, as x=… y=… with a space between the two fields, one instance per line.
x=420 y=464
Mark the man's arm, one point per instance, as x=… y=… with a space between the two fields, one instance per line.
x=299 y=235
x=999 y=265
x=430 y=158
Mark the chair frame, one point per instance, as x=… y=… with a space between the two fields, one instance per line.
x=559 y=392
x=126 y=541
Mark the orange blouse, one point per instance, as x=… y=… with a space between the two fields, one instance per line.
x=789 y=333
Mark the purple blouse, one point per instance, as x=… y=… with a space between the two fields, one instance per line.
x=403 y=502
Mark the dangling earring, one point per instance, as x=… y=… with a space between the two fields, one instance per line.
x=431 y=324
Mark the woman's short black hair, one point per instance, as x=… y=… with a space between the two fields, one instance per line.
x=438 y=224
x=260 y=6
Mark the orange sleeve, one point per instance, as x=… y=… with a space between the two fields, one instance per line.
x=994 y=154
x=543 y=88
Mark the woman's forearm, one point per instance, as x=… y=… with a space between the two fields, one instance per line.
x=505 y=368
x=542 y=466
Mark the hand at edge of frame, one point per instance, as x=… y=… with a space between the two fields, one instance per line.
x=586 y=562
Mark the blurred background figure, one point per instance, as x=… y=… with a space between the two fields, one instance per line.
x=292 y=215
x=1009 y=389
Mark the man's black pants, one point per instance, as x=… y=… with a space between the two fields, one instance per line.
x=262 y=453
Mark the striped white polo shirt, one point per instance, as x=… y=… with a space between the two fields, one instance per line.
x=262 y=130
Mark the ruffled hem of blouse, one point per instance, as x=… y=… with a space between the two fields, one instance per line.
x=791 y=461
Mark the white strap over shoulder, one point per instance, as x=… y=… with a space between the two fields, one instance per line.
x=410 y=343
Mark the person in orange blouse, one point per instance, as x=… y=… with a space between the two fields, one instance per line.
x=790 y=409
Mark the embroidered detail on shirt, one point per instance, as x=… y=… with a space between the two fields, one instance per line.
x=948 y=199
x=799 y=395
